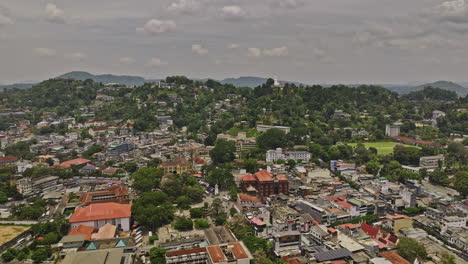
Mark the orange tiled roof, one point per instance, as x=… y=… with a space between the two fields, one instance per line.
x=264 y=175
x=238 y=251
x=399 y=216
x=394 y=258
x=101 y=211
x=182 y=252
x=82 y=230
x=79 y=161
x=281 y=177
x=248 y=198
x=248 y=177
x=216 y=254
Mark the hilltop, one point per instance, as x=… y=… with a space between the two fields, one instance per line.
x=104 y=78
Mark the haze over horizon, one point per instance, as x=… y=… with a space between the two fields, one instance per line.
x=309 y=41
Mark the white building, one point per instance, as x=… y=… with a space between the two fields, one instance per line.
x=393 y=130
x=274 y=155
x=264 y=128
x=453 y=222
x=97 y=215
x=431 y=162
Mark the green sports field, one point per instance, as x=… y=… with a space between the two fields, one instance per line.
x=383 y=148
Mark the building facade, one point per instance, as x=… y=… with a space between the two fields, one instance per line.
x=264 y=183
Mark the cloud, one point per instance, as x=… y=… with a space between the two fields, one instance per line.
x=291 y=4
x=273 y=52
x=455 y=11
x=155 y=26
x=75 y=56
x=183 y=6
x=254 y=52
x=44 y=52
x=54 y=14
x=127 y=60
x=156 y=62
x=233 y=12
x=5 y=17
x=232 y=46
x=276 y=52
x=199 y=50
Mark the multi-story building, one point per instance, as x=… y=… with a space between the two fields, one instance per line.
x=264 y=183
x=393 y=130
x=274 y=155
x=397 y=222
x=232 y=253
x=115 y=194
x=264 y=128
x=176 y=166
x=431 y=162
x=24 y=186
x=7 y=161
x=45 y=183
x=453 y=222
x=97 y=215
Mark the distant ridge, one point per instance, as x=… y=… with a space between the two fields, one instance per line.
x=17 y=85
x=446 y=85
x=104 y=78
x=249 y=81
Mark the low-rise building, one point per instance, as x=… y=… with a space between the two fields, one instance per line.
x=396 y=222
x=431 y=162
x=97 y=215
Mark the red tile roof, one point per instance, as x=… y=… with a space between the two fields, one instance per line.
x=350 y=226
x=101 y=211
x=248 y=177
x=264 y=175
x=238 y=251
x=369 y=230
x=216 y=254
x=182 y=252
x=82 y=230
x=344 y=204
x=281 y=177
x=76 y=162
x=248 y=198
x=394 y=258
x=8 y=158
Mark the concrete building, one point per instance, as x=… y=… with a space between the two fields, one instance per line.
x=275 y=155
x=264 y=128
x=115 y=194
x=396 y=222
x=24 y=186
x=431 y=162
x=235 y=253
x=393 y=130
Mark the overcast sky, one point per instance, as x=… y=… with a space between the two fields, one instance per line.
x=313 y=41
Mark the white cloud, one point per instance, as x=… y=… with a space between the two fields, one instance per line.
x=183 y=6
x=273 y=52
x=75 y=56
x=54 y=14
x=5 y=17
x=155 y=26
x=233 y=12
x=156 y=62
x=232 y=46
x=127 y=60
x=276 y=52
x=254 y=52
x=287 y=3
x=455 y=11
x=44 y=52
x=199 y=50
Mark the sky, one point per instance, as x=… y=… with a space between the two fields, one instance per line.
x=312 y=41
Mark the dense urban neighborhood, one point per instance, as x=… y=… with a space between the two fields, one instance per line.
x=184 y=171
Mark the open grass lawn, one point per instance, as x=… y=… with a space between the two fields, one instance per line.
x=8 y=232
x=383 y=148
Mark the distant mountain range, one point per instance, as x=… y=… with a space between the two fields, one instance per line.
x=105 y=78
x=243 y=81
